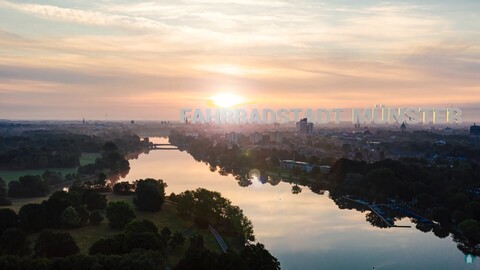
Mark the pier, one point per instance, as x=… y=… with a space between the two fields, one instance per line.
x=410 y=214
x=376 y=209
x=379 y=212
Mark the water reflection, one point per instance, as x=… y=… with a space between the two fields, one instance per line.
x=306 y=230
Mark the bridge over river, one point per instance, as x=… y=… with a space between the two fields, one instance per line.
x=162 y=146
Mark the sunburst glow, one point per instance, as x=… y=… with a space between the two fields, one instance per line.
x=227 y=100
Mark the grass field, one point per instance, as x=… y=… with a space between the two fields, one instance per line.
x=86 y=158
x=17 y=203
x=86 y=235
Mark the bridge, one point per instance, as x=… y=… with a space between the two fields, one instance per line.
x=162 y=146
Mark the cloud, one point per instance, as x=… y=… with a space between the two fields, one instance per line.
x=302 y=53
x=455 y=63
x=61 y=76
x=84 y=16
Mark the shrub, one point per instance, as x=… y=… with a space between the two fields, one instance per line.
x=119 y=214
x=96 y=218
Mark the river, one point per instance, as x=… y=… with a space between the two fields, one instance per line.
x=306 y=230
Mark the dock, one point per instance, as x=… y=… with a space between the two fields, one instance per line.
x=375 y=208
x=379 y=212
x=411 y=214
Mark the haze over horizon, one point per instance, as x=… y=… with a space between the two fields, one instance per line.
x=146 y=60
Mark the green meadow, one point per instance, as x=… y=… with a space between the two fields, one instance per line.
x=86 y=158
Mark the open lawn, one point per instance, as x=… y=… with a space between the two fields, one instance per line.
x=88 y=158
x=14 y=175
x=17 y=203
x=8 y=175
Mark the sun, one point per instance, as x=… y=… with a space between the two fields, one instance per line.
x=226 y=100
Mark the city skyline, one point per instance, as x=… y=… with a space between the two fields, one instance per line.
x=146 y=60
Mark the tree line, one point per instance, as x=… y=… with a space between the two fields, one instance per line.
x=57 y=149
x=139 y=245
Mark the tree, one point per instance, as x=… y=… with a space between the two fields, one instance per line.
x=50 y=244
x=95 y=201
x=70 y=218
x=441 y=215
x=141 y=226
x=32 y=217
x=28 y=186
x=142 y=260
x=195 y=259
x=57 y=203
x=296 y=189
x=3 y=194
x=185 y=203
x=166 y=233
x=257 y=257
x=177 y=240
x=52 y=177
x=209 y=207
x=150 y=194
x=315 y=171
x=382 y=179
x=102 y=179
x=83 y=214
x=109 y=147
x=8 y=219
x=470 y=228
x=425 y=200
x=119 y=214
x=96 y=218
x=146 y=241
x=472 y=209
x=197 y=256
x=458 y=201
x=14 y=242
x=123 y=188
x=108 y=246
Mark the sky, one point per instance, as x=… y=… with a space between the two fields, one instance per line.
x=146 y=60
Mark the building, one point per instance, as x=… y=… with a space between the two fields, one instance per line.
x=290 y=164
x=475 y=130
x=255 y=137
x=276 y=137
x=231 y=137
x=303 y=127
x=325 y=168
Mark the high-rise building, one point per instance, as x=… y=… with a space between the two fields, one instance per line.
x=304 y=127
x=475 y=130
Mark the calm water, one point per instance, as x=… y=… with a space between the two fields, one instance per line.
x=306 y=230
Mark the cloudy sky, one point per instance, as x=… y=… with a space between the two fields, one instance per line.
x=146 y=60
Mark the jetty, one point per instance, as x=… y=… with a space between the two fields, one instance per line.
x=378 y=211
